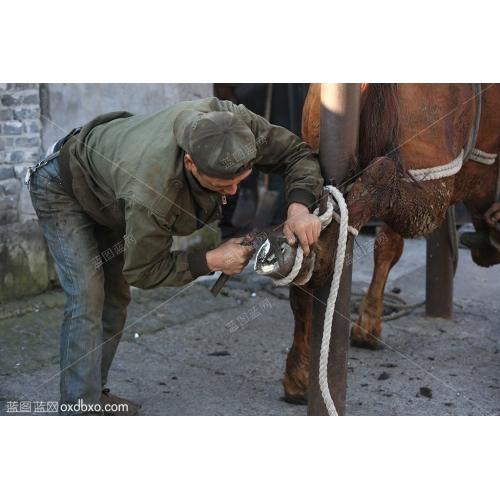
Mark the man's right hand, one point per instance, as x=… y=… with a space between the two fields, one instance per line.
x=492 y=215
x=230 y=258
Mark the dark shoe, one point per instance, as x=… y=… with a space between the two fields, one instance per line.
x=117 y=406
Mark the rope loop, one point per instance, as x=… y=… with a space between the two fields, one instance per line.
x=325 y=219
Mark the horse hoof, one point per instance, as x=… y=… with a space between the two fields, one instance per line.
x=295 y=399
x=373 y=344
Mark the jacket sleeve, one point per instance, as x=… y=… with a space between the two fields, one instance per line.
x=149 y=261
x=281 y=152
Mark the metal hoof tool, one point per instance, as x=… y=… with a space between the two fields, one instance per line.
x=252 y=239
x=275 y=258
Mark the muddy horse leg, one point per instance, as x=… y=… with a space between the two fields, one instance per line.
x=366 y=332
x=297 y=363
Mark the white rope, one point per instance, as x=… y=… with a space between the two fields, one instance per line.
x=295 y=269
x=332 y=299
x=482 y=157
x=433 y=173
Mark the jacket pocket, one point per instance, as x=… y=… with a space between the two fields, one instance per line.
x=167 y=202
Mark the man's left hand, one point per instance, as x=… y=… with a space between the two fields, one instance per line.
x=303 y=225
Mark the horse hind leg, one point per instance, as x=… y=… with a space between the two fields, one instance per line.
x=295 y=382
x=367 y=331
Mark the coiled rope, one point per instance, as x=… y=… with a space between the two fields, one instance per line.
x=393 y=301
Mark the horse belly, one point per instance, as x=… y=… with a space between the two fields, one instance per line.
x=418 y=212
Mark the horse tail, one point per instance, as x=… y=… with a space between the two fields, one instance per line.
x=379 y=125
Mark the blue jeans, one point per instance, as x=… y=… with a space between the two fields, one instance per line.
x=97 y=295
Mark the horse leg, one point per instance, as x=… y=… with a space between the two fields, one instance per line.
x=366 y=332
x=297 y=363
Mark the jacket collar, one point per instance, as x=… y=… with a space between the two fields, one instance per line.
x=208 y=202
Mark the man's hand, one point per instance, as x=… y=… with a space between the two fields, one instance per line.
x=230 y=257
x=492 y=215
x=303 y=225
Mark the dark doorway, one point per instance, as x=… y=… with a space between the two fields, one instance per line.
x=281 y=104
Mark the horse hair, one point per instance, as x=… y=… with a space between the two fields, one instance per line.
x=379 y=126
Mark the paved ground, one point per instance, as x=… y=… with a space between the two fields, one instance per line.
x=178 y=356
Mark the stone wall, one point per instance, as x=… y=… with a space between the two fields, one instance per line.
x=32 y=117
x=25 y=268
x=20 y=144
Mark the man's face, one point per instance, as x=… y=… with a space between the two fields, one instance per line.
x=221 y=186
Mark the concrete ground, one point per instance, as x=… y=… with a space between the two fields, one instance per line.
x=182 y=355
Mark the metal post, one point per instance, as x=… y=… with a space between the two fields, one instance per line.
x=439 y=273
x=338 y=144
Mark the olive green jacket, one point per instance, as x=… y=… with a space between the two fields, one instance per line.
x=128 y=174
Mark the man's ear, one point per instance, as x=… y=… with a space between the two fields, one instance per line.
x=188 y=162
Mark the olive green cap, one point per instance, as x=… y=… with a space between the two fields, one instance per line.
x=219 y=142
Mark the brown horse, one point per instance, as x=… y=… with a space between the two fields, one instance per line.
x=403 y=127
